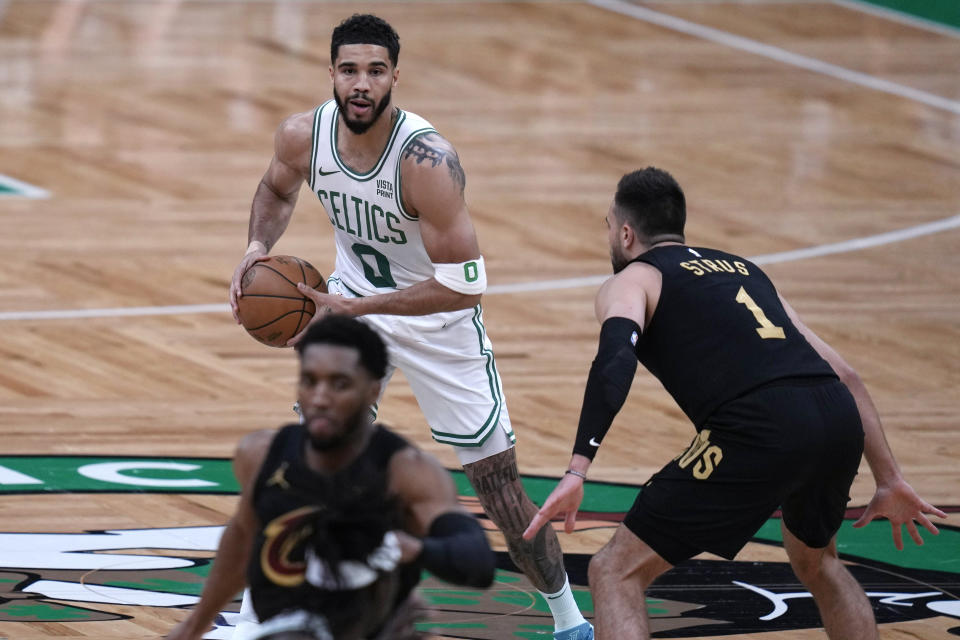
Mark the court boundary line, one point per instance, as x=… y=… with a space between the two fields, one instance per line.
x=854 y=244
x=776 y=53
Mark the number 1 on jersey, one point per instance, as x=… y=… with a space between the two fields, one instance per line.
x=766 y=329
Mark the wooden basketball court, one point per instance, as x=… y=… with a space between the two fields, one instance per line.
x=820 y=138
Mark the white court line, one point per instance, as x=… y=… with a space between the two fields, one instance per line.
x=861 y=243
x=23 y=190
x=67 y=314
x=776 y=53
x=854 y=244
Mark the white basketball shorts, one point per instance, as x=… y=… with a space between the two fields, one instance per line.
x=448 y=360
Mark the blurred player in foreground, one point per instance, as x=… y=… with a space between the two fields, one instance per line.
x=338 y=515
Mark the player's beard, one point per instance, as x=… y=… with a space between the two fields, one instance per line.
x=618 y=260
x=352 y=428
x=359 y=126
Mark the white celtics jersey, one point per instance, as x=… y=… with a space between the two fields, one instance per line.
x=379 y=248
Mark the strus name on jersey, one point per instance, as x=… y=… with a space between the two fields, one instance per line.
x=703 y=266
x=362 y=218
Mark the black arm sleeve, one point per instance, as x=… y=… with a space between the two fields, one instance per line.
x=608 y=384
x=456 y=550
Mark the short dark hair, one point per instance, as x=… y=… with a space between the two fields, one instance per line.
x=344 y=331
x=651 y=202
x=364 y=28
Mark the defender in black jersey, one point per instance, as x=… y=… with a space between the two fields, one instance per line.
x=338 y=515
x=782 y=421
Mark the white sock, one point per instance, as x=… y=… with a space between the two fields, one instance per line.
x=566 y=613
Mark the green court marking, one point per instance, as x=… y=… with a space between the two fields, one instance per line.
x=76 y=474
x=945 y=12
x=42 y=611
x=598 y=496
x=186 y=586
x=875 y=542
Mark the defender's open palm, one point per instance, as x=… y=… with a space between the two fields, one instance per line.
x=900 y=504
x=564 y=499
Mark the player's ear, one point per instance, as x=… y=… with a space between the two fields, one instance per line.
x=627 y=235
x=396 y=76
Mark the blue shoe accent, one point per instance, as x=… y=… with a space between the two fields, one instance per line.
x=580 y=632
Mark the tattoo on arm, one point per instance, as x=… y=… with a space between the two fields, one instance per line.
x=433 y=148
x=456 y=172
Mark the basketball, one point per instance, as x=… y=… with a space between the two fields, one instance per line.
x=272 y=309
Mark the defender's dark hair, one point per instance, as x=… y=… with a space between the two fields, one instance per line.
x=651 y=202
x=365 y=29
x=344 y=331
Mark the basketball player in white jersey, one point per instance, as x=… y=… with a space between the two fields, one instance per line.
x=408 y=261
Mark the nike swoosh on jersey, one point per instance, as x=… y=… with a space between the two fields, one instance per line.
x=594 y=443
x=327 y=173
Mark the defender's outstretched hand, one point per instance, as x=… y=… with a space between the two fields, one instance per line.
x=564 y=499
x=900 y=504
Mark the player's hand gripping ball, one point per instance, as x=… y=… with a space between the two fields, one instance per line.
x=271 y=308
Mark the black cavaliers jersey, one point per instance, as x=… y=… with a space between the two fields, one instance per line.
x=719 y=330
x=287 y=497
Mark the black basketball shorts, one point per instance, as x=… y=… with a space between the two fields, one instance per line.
x=793 y=444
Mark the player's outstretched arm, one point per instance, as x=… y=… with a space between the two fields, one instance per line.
x=894 y=498
x=228 y=575
x=276 y=195
x=620 y=308
x=438 y=533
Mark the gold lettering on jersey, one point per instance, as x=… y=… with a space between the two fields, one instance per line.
x=704 y=266
x=281 y=556
x=710 y=264
x=706 y=455
x=726 y=266
x=362 y=219
x=707 y=462
x=699 y=444
x=767 y=329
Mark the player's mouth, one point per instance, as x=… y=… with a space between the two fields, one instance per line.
x=360 y=107
x=321 y=425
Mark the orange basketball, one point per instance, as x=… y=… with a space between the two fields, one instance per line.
x=272 y=309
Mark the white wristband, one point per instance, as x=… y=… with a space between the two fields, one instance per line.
x=464 y=277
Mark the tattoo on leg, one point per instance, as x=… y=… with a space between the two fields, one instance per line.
x=497 y=483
